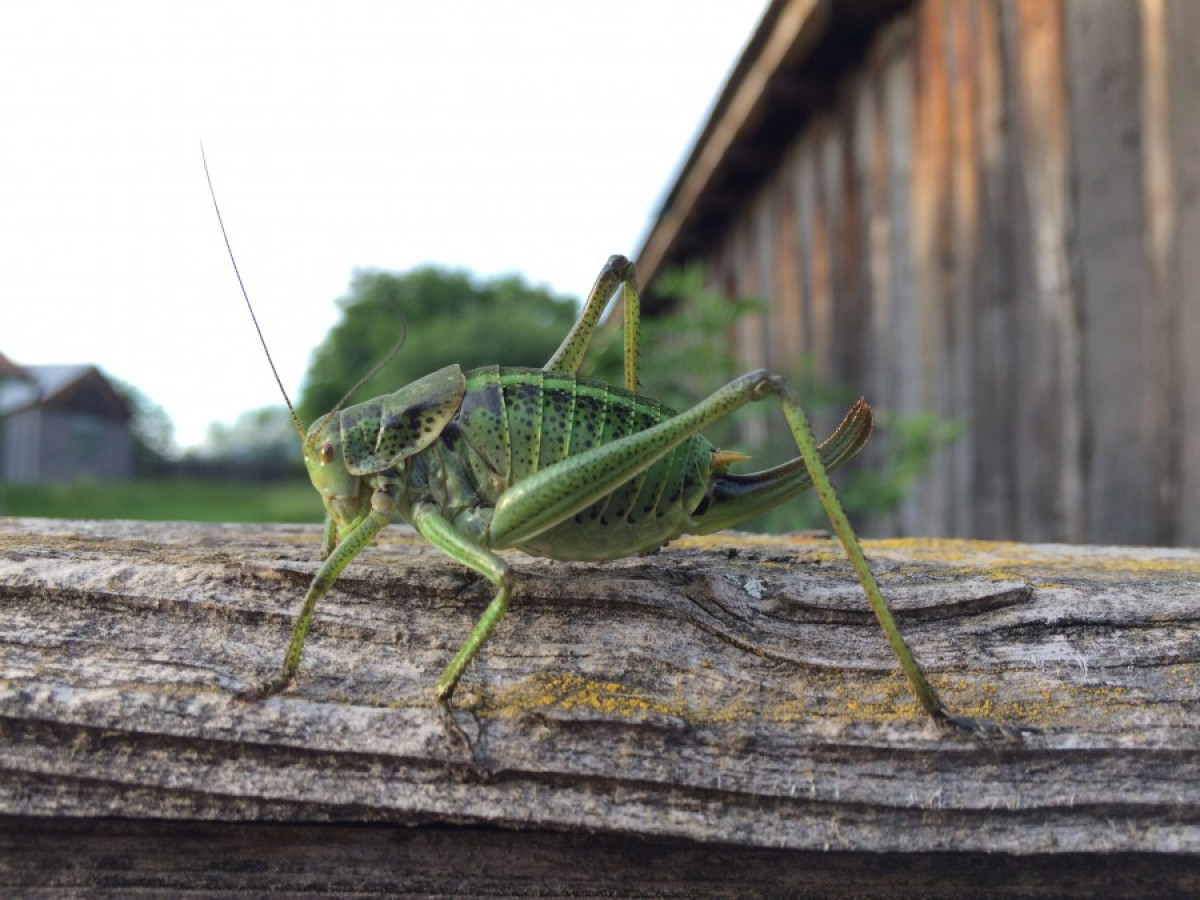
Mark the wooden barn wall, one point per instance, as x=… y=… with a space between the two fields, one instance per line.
x=997 y=220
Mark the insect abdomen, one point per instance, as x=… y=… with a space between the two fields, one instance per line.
x=515 y=422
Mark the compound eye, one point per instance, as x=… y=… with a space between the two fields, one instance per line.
x=326 y=453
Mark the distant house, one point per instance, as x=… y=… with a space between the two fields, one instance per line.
x=62 y=423
x=985 y=208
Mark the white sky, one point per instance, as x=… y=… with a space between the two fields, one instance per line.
x=530 y=137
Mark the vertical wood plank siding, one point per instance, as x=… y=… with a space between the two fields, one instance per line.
x=1179 y=269
x=996 y=218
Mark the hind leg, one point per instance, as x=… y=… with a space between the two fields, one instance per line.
x=617 y=272
x=924 y=691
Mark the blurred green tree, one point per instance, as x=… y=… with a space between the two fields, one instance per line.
x=448 y=317
x=265 y=434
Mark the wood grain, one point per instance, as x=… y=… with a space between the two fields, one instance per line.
x=732 y=693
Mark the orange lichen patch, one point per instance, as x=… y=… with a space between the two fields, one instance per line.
x=569 y=692
x=892 y=702
x=1005 y=557
x=1184 y=675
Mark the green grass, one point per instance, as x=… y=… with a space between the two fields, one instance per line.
x=197 y=501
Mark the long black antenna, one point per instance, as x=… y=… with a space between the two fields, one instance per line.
x=245 y=296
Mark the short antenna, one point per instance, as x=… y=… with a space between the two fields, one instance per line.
x=245 y=296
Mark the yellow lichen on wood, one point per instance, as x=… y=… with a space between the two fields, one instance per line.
x=568 y=691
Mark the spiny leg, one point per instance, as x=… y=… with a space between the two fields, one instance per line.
x=633 y=330
x=336 y=560
x=439 y=532
x=926 y=695
x=616 y=272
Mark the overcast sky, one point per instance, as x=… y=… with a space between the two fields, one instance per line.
x=529 y=137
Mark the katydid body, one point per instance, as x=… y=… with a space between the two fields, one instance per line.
x=561 y=467
x=493 y=429
x=542 y=462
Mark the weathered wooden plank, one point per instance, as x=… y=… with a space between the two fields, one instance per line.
x=810 y=256
x=894 y=307
x=846 y=189
x=822 y=229
x=1163 y=359
x=965 y=59
x=1116 y=305
x=933 y=263
x=785 y=336
x=1183 y=276
x=995 y=371
x=732 y=692
x=1049 y=476
x=876 y=126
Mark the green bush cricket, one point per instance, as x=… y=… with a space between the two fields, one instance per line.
x=562 y=467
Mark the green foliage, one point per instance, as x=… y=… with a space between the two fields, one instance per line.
x=688 y=352
x=450 y=318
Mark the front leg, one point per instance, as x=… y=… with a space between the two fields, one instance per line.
x=361 y=534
